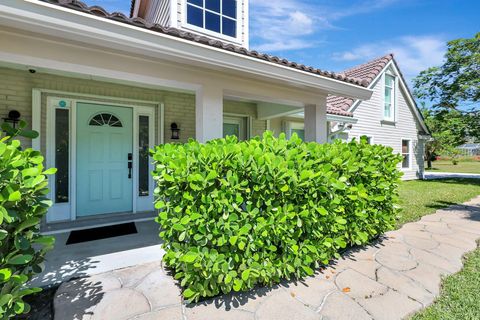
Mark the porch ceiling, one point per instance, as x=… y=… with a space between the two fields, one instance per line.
x=121 y=41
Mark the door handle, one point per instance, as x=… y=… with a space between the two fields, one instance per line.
x=130 y=159
x=129 y=170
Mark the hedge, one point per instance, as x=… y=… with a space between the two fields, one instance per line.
x=235 y=215
x=23 y=187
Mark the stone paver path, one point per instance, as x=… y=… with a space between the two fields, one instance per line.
x=391 y=279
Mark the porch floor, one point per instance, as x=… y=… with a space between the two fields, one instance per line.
x=66 y=262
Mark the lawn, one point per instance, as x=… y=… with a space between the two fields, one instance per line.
x=462 y=167
x=460 y=297
x=419 y=198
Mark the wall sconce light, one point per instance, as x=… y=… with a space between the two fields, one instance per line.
x=175 y=131
x=13 y=118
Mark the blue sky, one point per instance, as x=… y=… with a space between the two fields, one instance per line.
x=337 y=34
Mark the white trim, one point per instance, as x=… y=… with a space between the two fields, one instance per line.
x=403 y=87
x=343 y=119
x=36 y=117
x=393 y=98
x=41 y=17
x=98 y=225
x=218 y=35
x=245 y=117
x=410 y=153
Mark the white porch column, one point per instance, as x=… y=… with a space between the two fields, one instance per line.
x=209 y=113
x=315 y=121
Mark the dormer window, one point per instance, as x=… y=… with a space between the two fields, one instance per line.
x=389 y=104
x=219 y=16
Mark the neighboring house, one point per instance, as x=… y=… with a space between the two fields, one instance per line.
x=102 y=88
x=470 y=149
x=390 y=117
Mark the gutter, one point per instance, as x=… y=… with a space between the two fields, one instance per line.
x=40 y=17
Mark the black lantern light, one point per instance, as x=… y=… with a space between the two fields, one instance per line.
x=13 y=118
x=175 y=131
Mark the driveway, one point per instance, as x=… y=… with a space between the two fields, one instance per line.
x=446 y=175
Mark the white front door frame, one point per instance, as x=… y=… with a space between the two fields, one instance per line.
x=67 y=211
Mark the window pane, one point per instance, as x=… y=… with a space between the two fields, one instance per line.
x=230 y=8
x=212 y=21
x=231 y=129
x=61 y=155
x=195 y=16
x=406 y=161
x=388 y=111
x=143 y=147
x=213 y=5
x=405 y=146
x=229 y=27
x=196 y=2
x=300 y=133
x=389 y=80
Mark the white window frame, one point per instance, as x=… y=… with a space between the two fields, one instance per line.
x=236 y=118
x=410 y=154
x=292 y=125
x=67 y=211
x=219 y=35
x=393 y=102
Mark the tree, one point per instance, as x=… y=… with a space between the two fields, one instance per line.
x=449 y=129
x=456 y=83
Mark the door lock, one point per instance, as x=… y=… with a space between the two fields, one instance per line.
x=130 y=165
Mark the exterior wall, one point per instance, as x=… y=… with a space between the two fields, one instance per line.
x=16 y=93
x=369 y=115
x=247 y=109
x=277 y=124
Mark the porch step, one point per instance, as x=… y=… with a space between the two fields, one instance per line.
x=96 y=221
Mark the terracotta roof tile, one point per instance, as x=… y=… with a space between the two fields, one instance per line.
x=366 y=72
x=174 y=32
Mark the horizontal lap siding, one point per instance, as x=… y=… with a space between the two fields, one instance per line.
x=369 y=115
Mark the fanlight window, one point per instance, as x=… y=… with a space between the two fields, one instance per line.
x=105 y=119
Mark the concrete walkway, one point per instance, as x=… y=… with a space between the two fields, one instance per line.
x=445 y=175
x=391 y=279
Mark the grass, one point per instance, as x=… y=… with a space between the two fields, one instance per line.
x=460 y=298
x=461 y=167
x=419 y=198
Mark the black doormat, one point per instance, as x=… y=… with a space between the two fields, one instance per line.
x=85 y=235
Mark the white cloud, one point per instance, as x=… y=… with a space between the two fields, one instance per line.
x=413 y=53
x=290 y=24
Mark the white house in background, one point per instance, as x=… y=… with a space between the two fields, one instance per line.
x=101 y=88
x=390 y=117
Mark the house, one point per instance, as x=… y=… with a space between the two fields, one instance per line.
x=390 y=117
x=101 y=88
x=470 y=149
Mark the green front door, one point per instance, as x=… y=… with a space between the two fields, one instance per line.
x=104 y=150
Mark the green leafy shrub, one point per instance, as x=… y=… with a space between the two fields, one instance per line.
x=23 y=186
x=239 y=214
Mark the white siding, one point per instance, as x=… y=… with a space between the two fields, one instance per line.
x=406 y=126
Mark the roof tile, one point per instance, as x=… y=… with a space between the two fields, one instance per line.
x=174 y=32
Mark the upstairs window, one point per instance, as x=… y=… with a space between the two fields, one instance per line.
x=219 y=16
x=389 y=107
